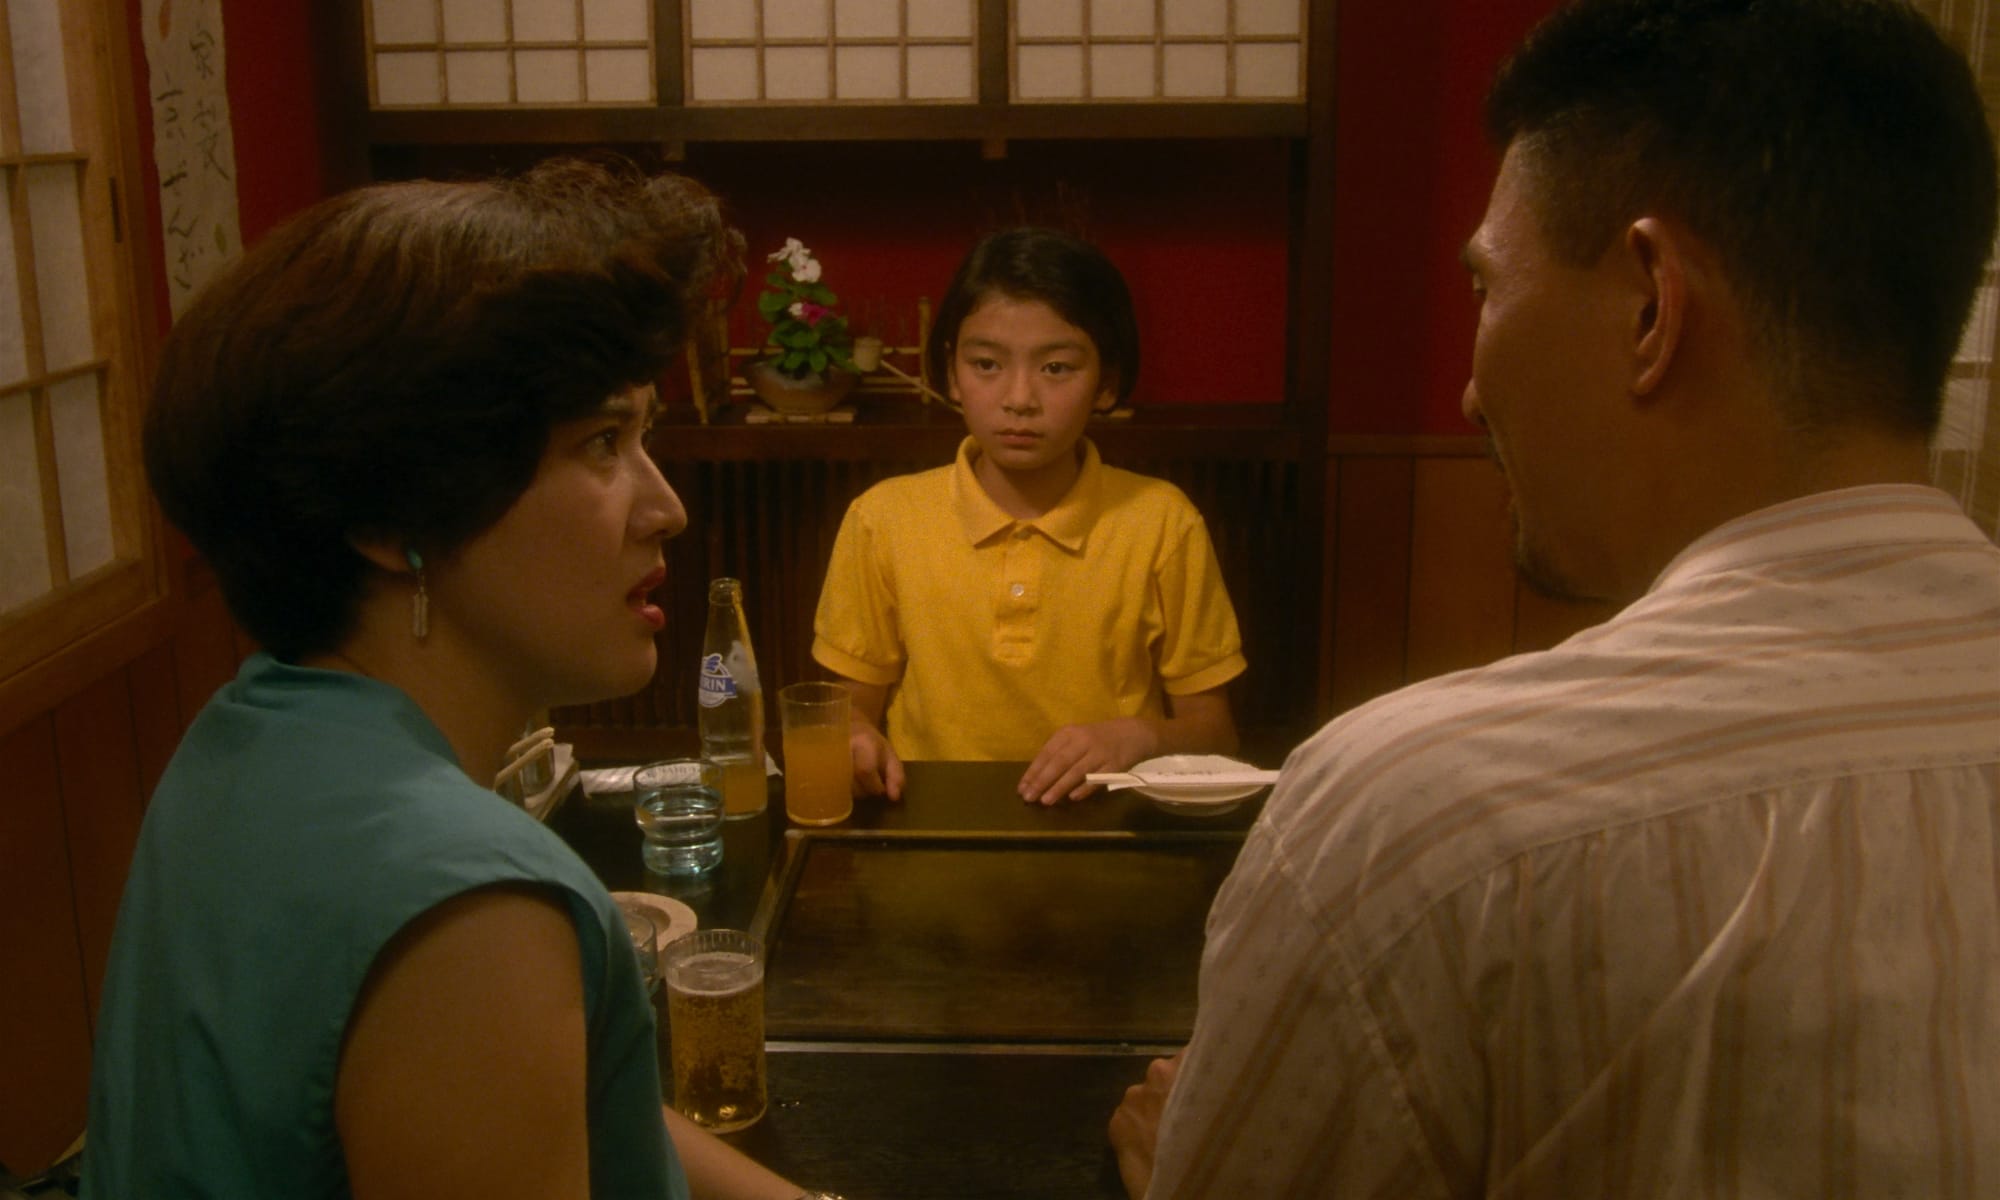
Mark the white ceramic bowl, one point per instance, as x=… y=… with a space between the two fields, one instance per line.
x=1193 y=798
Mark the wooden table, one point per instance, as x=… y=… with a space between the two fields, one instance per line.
x=959 y=987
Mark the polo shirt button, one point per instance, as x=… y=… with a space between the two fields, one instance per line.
x=1019 y=590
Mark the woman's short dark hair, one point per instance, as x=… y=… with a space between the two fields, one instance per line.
x=1834 y=153
x=389 y=363
x=1066 y=273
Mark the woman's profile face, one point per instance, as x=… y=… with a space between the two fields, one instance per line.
x=553 y=598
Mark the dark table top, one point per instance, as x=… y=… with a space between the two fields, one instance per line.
x=960 y=986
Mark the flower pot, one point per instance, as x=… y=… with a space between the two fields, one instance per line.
x=809 y=396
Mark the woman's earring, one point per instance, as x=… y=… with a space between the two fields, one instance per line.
x=420 y=604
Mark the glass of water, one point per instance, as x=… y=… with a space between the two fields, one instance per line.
x=678 y=805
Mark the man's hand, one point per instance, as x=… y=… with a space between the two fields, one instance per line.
x=1076 y=750
x=1135 y=1127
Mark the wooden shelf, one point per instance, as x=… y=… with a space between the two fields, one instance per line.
x=904 y=430
x=831 y=123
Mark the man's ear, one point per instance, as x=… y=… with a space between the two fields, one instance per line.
x=1656 y=253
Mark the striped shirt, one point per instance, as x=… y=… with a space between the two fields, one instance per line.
x=1704 y=902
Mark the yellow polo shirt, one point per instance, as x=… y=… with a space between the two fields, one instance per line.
x=995 y=632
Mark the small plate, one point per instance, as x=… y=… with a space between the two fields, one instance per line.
x=1198 y=799
x=671 y=918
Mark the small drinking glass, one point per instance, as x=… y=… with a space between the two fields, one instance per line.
x=645 y=946
x=678 y=805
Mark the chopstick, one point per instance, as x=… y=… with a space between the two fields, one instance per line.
x=1117 y=780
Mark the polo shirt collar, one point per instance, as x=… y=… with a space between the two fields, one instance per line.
x=1066 y=524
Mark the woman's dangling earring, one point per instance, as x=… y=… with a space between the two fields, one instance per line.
x=420 y=603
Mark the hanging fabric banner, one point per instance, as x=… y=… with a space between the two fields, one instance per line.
x=192 y=143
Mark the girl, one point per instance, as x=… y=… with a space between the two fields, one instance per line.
x=1029 y=602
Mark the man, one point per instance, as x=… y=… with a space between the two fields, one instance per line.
x=1704 y=900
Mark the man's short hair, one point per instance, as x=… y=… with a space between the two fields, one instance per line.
x=1834 y=154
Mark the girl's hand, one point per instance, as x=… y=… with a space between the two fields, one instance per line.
x=1077 y=750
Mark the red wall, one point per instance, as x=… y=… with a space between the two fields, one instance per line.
x=1199 y=229
x=1206 y=266
x=1412 y=173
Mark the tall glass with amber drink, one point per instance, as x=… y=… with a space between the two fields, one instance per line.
x=819 y=766
x=715 y=1008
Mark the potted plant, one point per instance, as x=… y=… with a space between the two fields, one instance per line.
x=809 y=367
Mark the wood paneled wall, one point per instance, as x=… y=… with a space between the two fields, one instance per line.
x=77 y=779
x=1415 y=564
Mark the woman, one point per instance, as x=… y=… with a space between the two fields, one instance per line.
x=407 y=431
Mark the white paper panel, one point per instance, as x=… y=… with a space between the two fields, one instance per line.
x=1050 y=72
x=39 y=82
x=616 y=20
x=476 y=76
x=24 y=551
x=80 y=475
x=1121 y=72
x=475 y=21
x=1121 y=18
x=60 y=276
x=13 y=339
x=795 y=19
x=407 y=78
x=723 y=74
x=1976 y=346
x=1197 y=18
x=795 y=73
x=711 y=20
x=404 y=21
x=548 y=76
x=940 y=73
x=1962 y=423
x=545 y=21
x=1049 y=18
x=1267 y=70
x=618 y=76
x=940 y=18
x=1255 y=17
x=1194 y=71
x=867 y=73
x=866 y=19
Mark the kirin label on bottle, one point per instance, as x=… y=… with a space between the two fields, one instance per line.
x=717 y=684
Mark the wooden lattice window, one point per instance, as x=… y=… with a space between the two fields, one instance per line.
x=76 y=547
x=840 y=51
x=1965 y=456
x=1172 y=50
x=509 y=53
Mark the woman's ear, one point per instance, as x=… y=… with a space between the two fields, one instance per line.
x=1658 y=253
x=390 y=554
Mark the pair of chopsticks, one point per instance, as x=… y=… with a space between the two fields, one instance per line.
x=1119 y=780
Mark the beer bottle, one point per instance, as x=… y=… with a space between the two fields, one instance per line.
x=731 y=701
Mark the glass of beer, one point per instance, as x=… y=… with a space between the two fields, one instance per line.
x=715 y=1010
x=819 y=768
